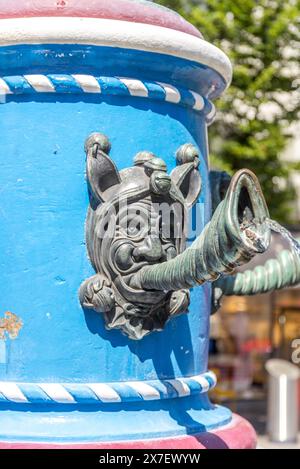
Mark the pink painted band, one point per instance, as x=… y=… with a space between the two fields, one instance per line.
x=135 y=11
x=239 y=434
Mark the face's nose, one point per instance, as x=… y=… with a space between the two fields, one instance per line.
x=151 y=250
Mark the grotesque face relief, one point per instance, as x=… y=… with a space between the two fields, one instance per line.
x=137 y=218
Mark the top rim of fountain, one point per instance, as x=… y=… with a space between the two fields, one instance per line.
x=125 y=24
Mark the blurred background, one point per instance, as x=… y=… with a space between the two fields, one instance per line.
x=258 y=127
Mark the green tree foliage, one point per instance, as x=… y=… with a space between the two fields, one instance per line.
x=262 y=40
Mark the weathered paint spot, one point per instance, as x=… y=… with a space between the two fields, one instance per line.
x=59 y=280
x=10 y=326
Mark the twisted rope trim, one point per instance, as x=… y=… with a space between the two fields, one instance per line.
x=275 y=274
x=95 y=393
x=80 y=84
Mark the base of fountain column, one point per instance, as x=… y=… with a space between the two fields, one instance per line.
x=238 y=434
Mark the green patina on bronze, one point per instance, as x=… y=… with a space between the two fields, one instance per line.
x=133 y=221
x=275 y=274
x=143 y=272
x=237 y=232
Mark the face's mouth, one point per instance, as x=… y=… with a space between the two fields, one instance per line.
x=128 y=257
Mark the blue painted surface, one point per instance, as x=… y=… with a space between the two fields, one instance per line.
x=43 y=208
x=119 y=422
x=43 y=204
x=2 y=353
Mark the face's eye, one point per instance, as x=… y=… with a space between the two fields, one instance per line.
x=134 y=228
x=134 y=225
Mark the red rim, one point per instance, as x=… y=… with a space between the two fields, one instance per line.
x=126 y=10
x=239 y=434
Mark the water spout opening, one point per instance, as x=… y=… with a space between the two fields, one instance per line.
x=248 y=212
x=245 y=208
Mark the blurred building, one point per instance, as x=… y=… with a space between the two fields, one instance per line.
x=246 y=331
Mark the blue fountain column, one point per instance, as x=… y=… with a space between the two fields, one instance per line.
x=44 y=200
x=52 y=97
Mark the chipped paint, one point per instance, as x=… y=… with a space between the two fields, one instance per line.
x=10 y=326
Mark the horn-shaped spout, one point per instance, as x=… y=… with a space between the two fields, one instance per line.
x=235 y=234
